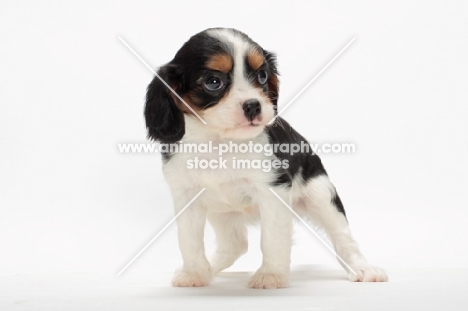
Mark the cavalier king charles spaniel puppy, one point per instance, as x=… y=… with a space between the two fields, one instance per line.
x=221 y=89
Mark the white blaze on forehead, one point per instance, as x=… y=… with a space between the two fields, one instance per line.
x=239 y=48
x=227 y=119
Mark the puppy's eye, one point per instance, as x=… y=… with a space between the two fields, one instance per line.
x=262 y=77
x=213 y=83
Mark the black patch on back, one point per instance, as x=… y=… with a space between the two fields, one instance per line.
x=339 y=205
x=307 y=164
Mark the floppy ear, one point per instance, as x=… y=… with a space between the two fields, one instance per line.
x=273 y=81
x=164 y=119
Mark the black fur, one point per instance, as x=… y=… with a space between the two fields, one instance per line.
x=305 y=163
x=164 y=120
x=339 y=205
x=273 y=78
x=308 y=164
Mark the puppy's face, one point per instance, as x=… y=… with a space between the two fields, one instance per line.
x=225 y=77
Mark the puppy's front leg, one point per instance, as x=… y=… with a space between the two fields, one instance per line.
x=276 y=240
x=196 y=270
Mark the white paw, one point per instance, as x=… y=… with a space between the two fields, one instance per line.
x=192 y=278
x=368 y=273
x=269 y=280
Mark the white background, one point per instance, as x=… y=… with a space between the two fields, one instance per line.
x=70 y=92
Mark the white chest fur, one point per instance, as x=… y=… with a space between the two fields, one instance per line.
x=236 y=178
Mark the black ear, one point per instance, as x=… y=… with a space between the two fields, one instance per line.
x=164 y=120
x=273 y=81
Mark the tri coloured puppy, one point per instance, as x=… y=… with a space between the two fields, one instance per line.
x=228 y=80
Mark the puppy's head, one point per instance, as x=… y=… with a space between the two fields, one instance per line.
x=225 y=77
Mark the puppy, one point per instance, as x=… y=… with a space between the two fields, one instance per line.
x=223 y=78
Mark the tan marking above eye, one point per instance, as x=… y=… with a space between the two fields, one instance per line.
x=255 y=59
x=220 y=62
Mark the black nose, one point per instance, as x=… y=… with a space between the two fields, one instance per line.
x=251 y=109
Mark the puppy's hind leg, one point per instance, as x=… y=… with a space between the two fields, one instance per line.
x=231 y=239
x=325 y=209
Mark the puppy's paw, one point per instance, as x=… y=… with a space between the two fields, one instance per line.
x=192 y=278
x=368 y=273
x=269 y=280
